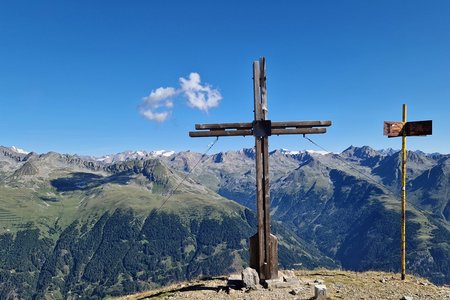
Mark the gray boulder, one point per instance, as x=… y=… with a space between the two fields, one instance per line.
x=250 y=279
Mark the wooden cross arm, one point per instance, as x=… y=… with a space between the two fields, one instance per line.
x=224 y=126
x=298 y=131
x=247 y=129
x=217 y=133
x=293 y=124
x=301 y=124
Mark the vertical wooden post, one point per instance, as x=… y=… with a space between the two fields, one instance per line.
x=257 y=254
x=263 y=245
x=403 y=230
x=270 y=241
x=266 y=184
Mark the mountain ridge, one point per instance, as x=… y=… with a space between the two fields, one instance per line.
x=328 y=209
x=63 y=219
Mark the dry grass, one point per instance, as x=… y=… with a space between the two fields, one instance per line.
x=340 y=285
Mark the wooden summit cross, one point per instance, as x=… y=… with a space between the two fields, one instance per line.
x=263 y=245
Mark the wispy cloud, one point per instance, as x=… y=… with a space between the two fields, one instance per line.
x=158 y=105
x=199 y=96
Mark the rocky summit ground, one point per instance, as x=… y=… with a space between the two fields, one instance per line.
x=340 y=285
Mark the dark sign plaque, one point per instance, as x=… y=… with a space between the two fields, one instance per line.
x=417 y=128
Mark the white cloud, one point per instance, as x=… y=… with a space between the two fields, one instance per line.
x=199 y=96
x=160 y=94
x=155 y=116
x=158 y=105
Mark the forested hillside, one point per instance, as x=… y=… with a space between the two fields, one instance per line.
x=78 y=227
x=75 y=228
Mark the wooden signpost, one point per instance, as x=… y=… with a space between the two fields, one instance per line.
x=263 y=245
x=404 y=129
x=418 y=128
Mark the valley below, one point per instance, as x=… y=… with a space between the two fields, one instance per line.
x=83 y=227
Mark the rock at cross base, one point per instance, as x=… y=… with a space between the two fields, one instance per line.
x=250 y=278
x=320 y=292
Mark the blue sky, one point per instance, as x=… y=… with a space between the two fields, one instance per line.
x=74 y=74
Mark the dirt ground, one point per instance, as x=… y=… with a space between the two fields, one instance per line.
x=340 y=285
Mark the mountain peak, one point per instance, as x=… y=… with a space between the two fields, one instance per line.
x=388 y=151
x=249 y=152
x=360 y=152
x=18 y=150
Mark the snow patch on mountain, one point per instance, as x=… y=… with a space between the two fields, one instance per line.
x=291 y=152
x=320 y=152
x=18 y=150
x=164 y=153
x=131 y=155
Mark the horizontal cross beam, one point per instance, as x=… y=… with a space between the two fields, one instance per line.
x=294 y=124
x=247 y=129
x=301 y=124
x=224 y=126
x=220 y=132
x=298 y=131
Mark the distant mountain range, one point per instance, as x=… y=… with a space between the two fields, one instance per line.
x=85 y=226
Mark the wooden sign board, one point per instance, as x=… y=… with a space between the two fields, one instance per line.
x=418 y=128
x=393 y=129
